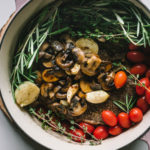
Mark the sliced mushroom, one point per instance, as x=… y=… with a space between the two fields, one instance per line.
x=78 y=76
x=95 y=86
x=90 y=64
x=81 y=94
x=48 y=64
x=57 y=46
x=46 y=88
x=66 y=38
x=85 y=86
x=59 y=73
x=44 y=46
x=56 y=89
x=64 y=102
x=38 y=80
x=61 y=95
x=97 y=97
x=26 y=93
x=57 y=107
x=51 y=94
x=106 y=80
x=67 y=85
x=69 y=45
x=75 y=69
x=62 y=61
x=72 y=91
x=45 y=55
x=77 y=107
x=87 y=45
x=48 y=76
x=108 y=67
x=80 y=56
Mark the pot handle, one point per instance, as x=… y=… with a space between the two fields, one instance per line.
x=146 y=138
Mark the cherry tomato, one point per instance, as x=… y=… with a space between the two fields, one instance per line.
x=123 y=119
x=116 y=130
x=135 y=56
x=147 y=95
x=89 y=128
x=140 y=90
x=78 y=135
x=120 y=79
x=138 y=69
x=100 y=132
x=148 y=73
x=133 y=47
x=109 y=118
x=135 y=115
x=66 y=126
x=142 y=104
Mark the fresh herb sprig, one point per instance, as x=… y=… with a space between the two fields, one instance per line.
x=48 y=122
x=127 y=105
x=28 y=48
x=108 y=19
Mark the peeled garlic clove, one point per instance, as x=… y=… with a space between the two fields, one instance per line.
x=26 y=93
x=87 y=45
x=97 y=97
x=72 y=91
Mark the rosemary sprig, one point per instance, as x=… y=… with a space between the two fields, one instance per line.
x=127 y=105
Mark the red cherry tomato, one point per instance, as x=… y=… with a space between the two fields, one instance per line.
x=116 y=130
x=135 y=115
x=120 y=79
x=85 y=126
x=138 y=69
x=78 y=135
x=100 y=132
x=140 y=90
x=109 y=118
x=133 y=47
x=135 y=56
x=147 y=95
x=148 y=73
x=123 y=119
x=142 y=104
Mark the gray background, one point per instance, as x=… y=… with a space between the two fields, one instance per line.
x=11 y=138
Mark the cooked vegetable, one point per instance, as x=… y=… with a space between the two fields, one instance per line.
x=75 y=69
x=72 y=91
x=97 y=97
x=109 y=118
x=62 y=61
x=57 y=46
x=87 y=45
x=26 y=93
x=44 y=46
x=135 y=115
x=138 y=69
x=116 y=130
x=123 y=119
x=144 y=82
x=135 y=56
x=85 y=86
x=100 y=132
x=85 y=126
x=90 y=64
x=45 y=89
x=147 y=95
x=120 y=79
x=77 y=106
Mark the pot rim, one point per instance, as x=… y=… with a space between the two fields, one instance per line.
x=16 y=123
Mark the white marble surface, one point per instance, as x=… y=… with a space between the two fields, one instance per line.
x=11 y=138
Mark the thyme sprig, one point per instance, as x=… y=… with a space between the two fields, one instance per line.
x=127 y=105
x=48 y=122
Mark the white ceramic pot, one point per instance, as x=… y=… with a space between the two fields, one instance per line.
x=50 y=140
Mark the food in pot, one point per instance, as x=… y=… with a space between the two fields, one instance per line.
x=84 y=78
